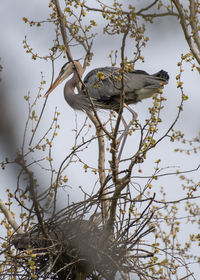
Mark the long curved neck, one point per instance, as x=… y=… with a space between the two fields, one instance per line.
x=72 y=83
x=70 y=96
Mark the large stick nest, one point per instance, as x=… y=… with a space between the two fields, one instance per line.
x=69 y=249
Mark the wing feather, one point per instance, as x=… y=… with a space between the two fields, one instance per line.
x=110 y=85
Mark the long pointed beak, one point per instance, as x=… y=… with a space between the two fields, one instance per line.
x=54 y=85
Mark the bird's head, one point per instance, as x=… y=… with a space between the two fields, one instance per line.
x=67 y=69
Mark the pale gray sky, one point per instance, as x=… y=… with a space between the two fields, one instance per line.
x=22 y=75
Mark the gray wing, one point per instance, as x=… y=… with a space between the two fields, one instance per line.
x=111 y=84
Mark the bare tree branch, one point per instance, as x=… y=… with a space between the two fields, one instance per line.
x=194 y=45
x=10 y=218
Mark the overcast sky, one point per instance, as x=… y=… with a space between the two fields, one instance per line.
x=22 y=75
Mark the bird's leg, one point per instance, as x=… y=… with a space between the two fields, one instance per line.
x=134 y=114
x=126 y=129
x=124 y=136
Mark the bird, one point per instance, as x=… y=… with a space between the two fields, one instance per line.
x=104 y=86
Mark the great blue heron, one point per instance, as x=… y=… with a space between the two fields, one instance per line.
x=104 y=86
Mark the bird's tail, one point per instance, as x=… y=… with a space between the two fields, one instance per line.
x=162 y=74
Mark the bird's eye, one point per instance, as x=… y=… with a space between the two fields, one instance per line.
x=64 y=68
